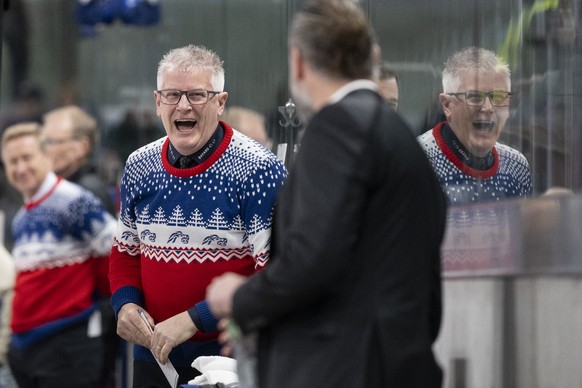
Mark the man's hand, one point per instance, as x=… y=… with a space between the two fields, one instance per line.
x=131 y=327
x=220 y=292
x=171 y=333
x=224 y=339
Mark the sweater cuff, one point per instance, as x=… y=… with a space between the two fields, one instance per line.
x=127 y=294
x=203 y=318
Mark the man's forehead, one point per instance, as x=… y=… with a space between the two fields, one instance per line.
x=476 y=80
x=180 y=75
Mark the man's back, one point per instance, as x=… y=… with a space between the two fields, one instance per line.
x=358 y=294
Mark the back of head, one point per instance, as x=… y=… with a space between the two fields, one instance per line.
x=82 y=124
x=334 y=38
x=191 y=58
x=471 y=59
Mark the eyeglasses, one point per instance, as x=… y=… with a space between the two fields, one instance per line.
x=195 y=97
x=53 y=142
x=498 y=98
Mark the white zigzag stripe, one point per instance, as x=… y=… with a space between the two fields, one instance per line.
x=190 y=255
x=55 y=262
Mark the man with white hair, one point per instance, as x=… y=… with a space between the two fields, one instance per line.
x=463 y=150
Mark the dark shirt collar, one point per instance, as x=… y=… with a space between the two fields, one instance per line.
x=199 y=156
x=455 y=145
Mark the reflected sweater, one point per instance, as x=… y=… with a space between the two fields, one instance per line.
x=507 y=176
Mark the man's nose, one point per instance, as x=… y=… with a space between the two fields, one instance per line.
x=183 y=102
x=488 y=105
x=20 y=166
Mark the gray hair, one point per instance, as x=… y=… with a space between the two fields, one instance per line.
x=470 y=59
x=191 y=58
x=83 y=124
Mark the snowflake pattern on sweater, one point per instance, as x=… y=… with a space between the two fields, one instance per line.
x=180 y=228
x=509 y=177
x=68 y=227
x=220 y=212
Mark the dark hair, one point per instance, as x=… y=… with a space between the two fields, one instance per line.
x=334 y=37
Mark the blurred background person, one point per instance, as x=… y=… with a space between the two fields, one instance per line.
x=71 y=137
x=62 y=237
x=7 y=277
x=351 y=298
x=388 y=85
x=463 y=150
x=249 y=122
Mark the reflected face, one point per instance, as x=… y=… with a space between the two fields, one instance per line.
x=189 y=126
x=26 y=164
x=388 y=89
x=66 y=151
x=477 y=128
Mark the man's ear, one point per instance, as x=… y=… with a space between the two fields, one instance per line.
x=297 y=67
x=445 y=102
x=158 y=102
x=222 y=98
x=84 y=146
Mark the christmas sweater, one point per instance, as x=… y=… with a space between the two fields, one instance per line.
x=509 y=176
x=180 y=228
x=62 y=239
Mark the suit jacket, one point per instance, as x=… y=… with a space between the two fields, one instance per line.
x=352 y=294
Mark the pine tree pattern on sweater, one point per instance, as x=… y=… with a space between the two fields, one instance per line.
x=509 y=177
x=59 y=236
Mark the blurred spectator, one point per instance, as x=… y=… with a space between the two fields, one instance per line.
x=388 y=85
x=27 y=107
x=249 y=122
x=71 y=136
x=62 y=237
x=6 y=291
x=351 y=297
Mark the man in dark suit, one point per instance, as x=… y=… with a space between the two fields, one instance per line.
x=352 y=294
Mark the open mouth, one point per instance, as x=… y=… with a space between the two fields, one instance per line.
x=483 y=126
x=184 y=125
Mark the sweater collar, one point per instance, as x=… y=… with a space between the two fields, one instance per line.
x=46 y=188
x=199 y=156
x=212 y=158
x=452 y=156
